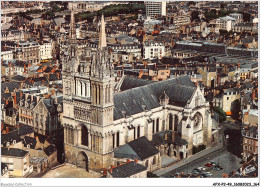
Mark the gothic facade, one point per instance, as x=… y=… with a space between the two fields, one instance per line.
x=97 y=121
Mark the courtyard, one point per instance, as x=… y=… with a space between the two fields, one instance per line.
x=71 y=171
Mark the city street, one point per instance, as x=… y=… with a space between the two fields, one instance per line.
x=229 y=157
x=227 y=160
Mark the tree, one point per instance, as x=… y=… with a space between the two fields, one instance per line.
x=194 y=15
x=191 y=3
x=222 y=114
x=151 y=175
x=246 y=17
x=235 y=109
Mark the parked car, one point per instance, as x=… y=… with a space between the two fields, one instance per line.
x=203 y=175
x=201 y=169
x=208 y=174
x=208 y=164
x=216 y=168
x=195 y=171
x=213 y=163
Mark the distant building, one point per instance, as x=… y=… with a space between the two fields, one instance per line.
x=127 y=170
x=229 y=97
x=154 y=9
x=17 y=161
x=4 y=171
x=152 y=50
x=46 y=50
x=91 y=6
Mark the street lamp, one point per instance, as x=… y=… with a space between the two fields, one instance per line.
x=227 y=137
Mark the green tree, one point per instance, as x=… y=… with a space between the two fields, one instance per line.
x=222 y=114
x=194 y=15
x=235 y=109
x=151 y=175
x=246 y=17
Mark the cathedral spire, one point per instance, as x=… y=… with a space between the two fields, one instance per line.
x=72 y=26
x=102 y=35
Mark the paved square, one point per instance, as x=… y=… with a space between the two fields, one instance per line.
x=71 y=171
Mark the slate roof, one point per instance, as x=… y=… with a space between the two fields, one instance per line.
x=129 y=83
x=140 y=149
x=143 y=147
x=13 y=152
x=158 y=139
x=29 y=141
x=127 y=170
x=48 y=70
x=179 y=91
x=11 y=86
x=177 y=138
x=49 y=150
x=18 y=78
x=15 y=135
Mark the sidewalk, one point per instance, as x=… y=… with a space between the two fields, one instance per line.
x=190 y=159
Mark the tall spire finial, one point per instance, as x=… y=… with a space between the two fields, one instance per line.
x=72 y=25
x=102 y=35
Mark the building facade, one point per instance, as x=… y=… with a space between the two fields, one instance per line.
x=97 y=121
x=155 y=8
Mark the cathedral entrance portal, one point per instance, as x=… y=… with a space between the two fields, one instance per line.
x=82 y=160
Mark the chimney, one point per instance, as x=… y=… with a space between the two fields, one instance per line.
x=7 y=129
x=37 y=139
x=21 y=94
x=2 y=126
x=165 y=136
x=15 y=99
x=43 y=82
x=136 y=161
x=52 y=91
x=26 y=96
x=128 y=160
x=253 y=94
x=104 y=171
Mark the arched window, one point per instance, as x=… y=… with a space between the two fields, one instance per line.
x=96 y=93
x=117 y=139
x=170 y=122
x=86 y=89
x=84 y=135
x=175 y=122
x=153 y=125
x=146 y=163
x=108 y=94
x=113 y=140
x=157 y=125
x=81 y=87
x=138 y=131
x=154 y=160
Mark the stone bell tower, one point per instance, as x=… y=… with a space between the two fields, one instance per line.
x=88 y=109
x=102 y=83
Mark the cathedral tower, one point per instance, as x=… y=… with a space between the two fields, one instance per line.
x=88 y=105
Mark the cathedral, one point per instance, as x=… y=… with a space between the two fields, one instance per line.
x=107 y=121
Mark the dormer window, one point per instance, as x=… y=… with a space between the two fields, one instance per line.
x=28 y=146
x=14 y=142
x=7 y=144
